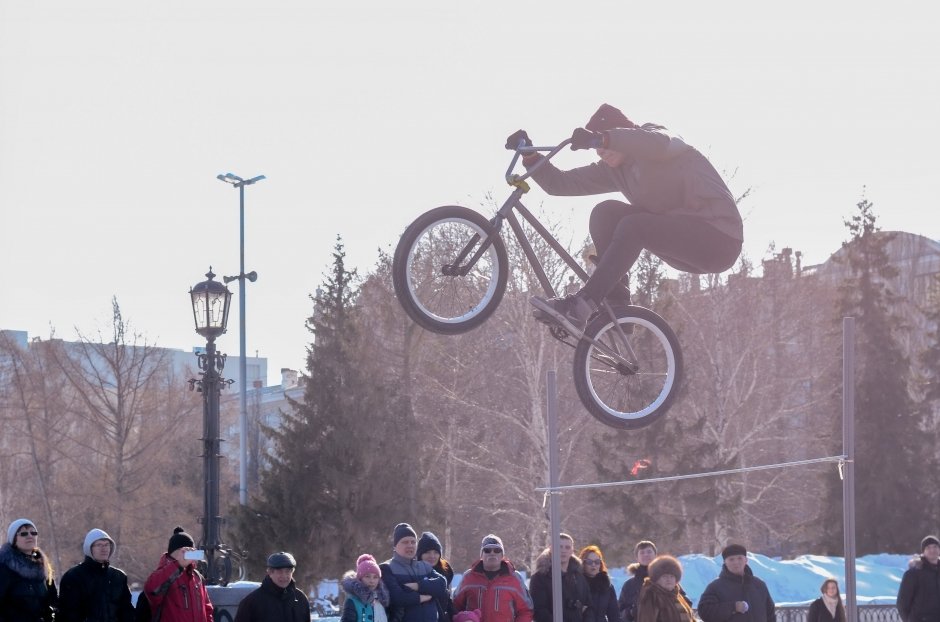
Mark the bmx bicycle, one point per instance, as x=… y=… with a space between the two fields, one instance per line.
x=450 y=271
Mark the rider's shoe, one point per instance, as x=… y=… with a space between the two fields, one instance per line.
x=572 y=312
x=619 y=297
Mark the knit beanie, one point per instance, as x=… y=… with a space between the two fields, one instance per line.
x=15 y=527
x=608 y=118
x=927 y=541
x=402 y=530
x=366 y=564
x=733 y=549
x=180 y=539
x=470 y=615
x=429 y=542
x=93 y=536
x=665 y=564
x=491 y=540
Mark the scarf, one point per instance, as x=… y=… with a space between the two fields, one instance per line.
x=657 y=605
x=832 y=603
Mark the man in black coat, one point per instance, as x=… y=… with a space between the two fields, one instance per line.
x=736 y=594
x=94 y=590
x=278 y=599
x=575 y=591
x=645 y=552
x=919 y=594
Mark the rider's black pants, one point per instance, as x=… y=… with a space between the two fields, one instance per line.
x=621 y=231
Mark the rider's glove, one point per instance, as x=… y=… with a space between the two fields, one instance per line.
x=512 y=143
x=586 y=139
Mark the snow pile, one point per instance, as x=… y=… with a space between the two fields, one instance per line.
x=797 y=581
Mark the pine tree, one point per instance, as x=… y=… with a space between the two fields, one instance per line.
x=333 y=477
x=889 y=439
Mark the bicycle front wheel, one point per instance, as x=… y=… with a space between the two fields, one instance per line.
x=630 y=378
x=449 y=272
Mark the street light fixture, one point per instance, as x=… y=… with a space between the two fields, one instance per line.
x=252 y=276
x=210 y=300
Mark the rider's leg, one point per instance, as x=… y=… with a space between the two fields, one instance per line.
x=603 y=223
x=691 y=243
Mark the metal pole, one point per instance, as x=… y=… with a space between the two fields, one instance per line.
x=554 y=517
x=212 y=519
x=242 y=363
x=848 y=475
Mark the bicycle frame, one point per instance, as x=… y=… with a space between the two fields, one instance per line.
x=505 y=213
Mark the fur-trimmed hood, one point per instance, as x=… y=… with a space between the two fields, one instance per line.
x=919 y=562
x=355 y=587
x=543 y=563
x=636 y=569
x=34 y=567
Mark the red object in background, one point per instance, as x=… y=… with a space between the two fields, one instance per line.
x=642 y=463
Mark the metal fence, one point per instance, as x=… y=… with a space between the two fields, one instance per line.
x=866 y=613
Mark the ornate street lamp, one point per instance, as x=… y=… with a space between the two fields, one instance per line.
x=210 y=300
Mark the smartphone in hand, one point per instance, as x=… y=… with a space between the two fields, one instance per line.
x=198 y=555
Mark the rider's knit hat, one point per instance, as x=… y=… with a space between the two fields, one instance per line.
x=928 y=541
x=608 y=118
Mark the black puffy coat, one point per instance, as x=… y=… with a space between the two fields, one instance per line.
x=269 y=603
x=717 y=601
x=919 y=594
x=818 y=612
x=575 y=593
x=630 y=592
x=94 y=592
x=603 y=600
x=27 y=591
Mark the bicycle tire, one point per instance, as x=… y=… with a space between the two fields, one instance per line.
x=448 y=304
x=620 y=397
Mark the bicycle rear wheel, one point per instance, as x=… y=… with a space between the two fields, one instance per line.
x=621 y=395
x=449 y=275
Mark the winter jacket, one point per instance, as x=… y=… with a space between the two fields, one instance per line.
x=661 y=173
x=818 y=612
x=406 y=605
x=575 y=594
x=717 y=601
x=269 y=603
x=94 y=592
x=27 y=586
x=919 y=594
x=363 y=604
x=177 y=594
x=630 y=592
x=603 y=599
x=656 y=604
x=504 y=598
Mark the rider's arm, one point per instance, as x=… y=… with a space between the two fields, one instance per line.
x=595 y=178
x=646 y=143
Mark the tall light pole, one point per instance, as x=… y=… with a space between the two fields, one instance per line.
x=210 y=300
x=252 y=276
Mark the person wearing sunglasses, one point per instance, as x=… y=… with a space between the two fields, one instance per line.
x=94 y=590
x=27 y=582
x=603 y=597
x=494 y=587
x=575 y=593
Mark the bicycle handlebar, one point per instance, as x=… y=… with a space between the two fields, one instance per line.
x=526 y=150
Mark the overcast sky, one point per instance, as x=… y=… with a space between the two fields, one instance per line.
x=115 y=118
